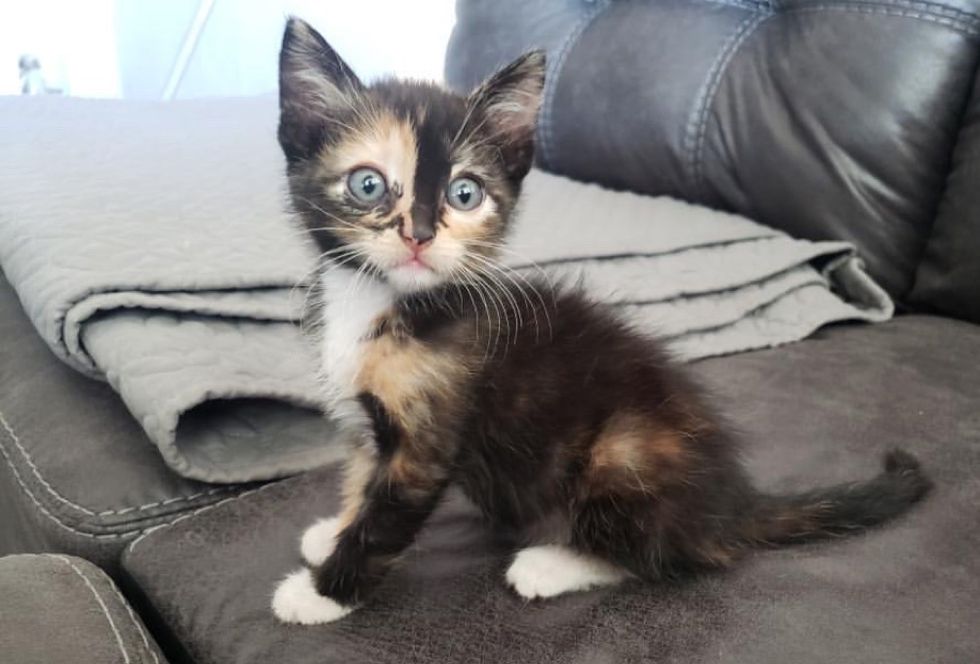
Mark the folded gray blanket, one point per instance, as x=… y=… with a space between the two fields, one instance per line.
x=149 y=245
x=708 y=282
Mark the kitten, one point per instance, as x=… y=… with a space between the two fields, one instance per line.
x=572 y=432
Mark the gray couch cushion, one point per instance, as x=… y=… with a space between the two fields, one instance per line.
x=830 y=120
x=948 y=279
x=65 y=610
x=819 y=411
x=77 y=474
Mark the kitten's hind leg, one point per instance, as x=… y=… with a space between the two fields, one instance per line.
x=551 y=569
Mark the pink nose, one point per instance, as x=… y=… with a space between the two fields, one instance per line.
x=416 y=245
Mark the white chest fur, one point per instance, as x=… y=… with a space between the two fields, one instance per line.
x=351 y=305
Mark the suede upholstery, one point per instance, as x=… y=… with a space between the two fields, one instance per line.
x=819 y=411
x=77 y=474
x=63 y=610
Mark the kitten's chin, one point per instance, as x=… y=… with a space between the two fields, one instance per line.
x=412 y=278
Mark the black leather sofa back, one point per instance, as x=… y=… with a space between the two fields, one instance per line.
x=826 y=118
x=948 y=280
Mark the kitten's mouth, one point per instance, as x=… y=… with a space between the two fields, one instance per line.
x=415 y=262
x=413 y=274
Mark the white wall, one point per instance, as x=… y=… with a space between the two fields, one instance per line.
x=128 y=47
x=148 y=36
x=74 y=40
x=404 y=37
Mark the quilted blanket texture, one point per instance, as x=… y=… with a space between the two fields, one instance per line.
x=150 y=246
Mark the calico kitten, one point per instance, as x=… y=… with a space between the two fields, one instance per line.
x=572 y=432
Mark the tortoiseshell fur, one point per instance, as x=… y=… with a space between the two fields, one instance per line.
x=565 y=425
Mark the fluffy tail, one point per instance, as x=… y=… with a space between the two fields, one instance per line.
x=842 y=509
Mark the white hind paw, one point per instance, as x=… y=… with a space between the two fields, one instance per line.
x=297 y=601
x=550 y=570
x=318 y=541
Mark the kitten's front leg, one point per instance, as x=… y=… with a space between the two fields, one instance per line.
x=388 y=496
x=394 y=509
x=319 y=540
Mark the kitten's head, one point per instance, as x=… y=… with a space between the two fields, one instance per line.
x=407 y=179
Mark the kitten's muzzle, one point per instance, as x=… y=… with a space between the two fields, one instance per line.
x=419 y=225
x=417 y=246
x=416 y=236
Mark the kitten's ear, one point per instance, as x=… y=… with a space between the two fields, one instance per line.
x=507 y=104
x=316 y=87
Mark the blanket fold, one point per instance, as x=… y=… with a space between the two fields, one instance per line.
x=707 y=282
x=148 y=244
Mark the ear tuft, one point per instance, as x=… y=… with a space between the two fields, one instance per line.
x=316 y=87
x=507 y=104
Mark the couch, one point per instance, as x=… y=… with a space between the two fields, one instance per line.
x=830 y=119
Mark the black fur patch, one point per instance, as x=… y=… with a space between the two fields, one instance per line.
x=386 y=431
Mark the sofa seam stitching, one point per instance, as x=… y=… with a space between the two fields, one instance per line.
x=931 y=8
x=131 y=548
x=50 y=515
x=696 y=134
x=137 y=623
x=551 y=80
x=102 y=605
x=55 y=494
x=61 y=524
x=122 y=601
x=748 y=5
x=698 y=122
x=969 y=28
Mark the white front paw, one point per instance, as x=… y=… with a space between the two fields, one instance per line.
x=297 y=601
x=319 y=540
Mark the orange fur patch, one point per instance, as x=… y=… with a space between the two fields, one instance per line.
x=384 y=142
x=361 y=465
x=633 y=453
x=412 y=471
x=407 y=376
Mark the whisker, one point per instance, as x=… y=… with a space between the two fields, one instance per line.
x=455 y=273
x=504 y=274
x=330 y=215
x=503 y=290
x=488 y=301
x=512 y=275
x=475 y=281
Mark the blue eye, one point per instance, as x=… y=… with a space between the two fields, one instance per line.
x=464 y=194
x=366 y=185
